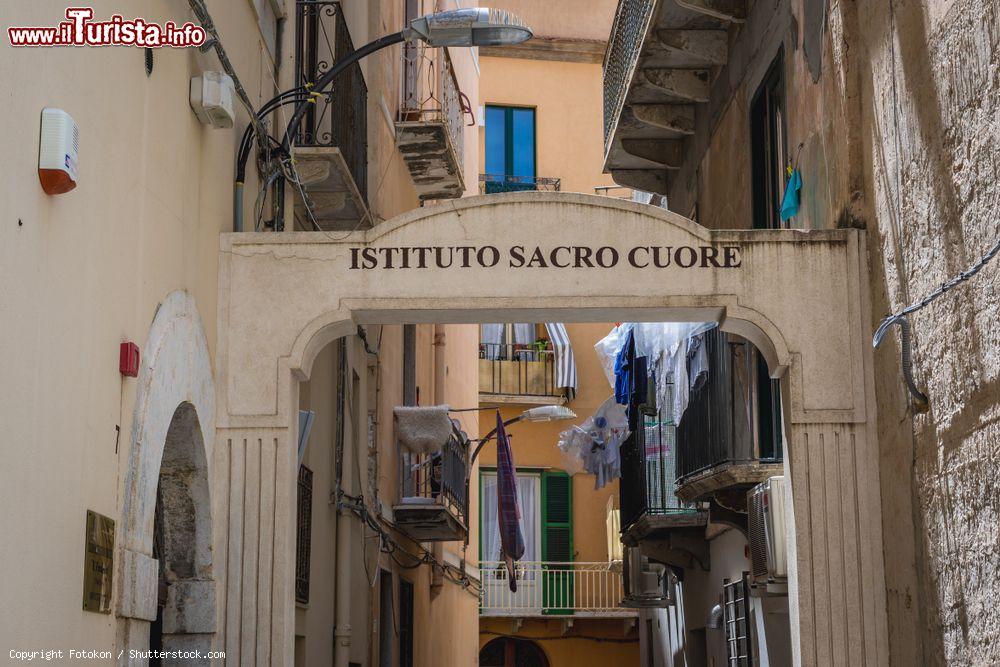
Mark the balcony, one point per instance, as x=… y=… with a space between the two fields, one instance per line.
x=730 y=437
x=650 y=508
x=331 y=149
x=662 y=61
x=514 y=374
x=495 y=183
x=550 y=589
x=431 y=124
x=433 y=502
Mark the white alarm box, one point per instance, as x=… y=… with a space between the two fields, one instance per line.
x=212 y=95
x=58 y=151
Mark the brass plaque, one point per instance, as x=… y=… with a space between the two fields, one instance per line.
x=98 y=563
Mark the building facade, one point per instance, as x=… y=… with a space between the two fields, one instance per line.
x=248 y=549
x=882 y=112
x=237 y=483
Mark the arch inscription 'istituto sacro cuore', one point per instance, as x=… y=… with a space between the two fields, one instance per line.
x=799 y=296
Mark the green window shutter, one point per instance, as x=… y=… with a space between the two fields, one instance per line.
x=557 y=541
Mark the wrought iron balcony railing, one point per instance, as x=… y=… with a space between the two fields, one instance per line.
x=430 y=128
x=624 y=46
x=733 y=418
x=494 y=183
x=433 y=501
x=339 y=116
x=553 y=589
x=518 y=371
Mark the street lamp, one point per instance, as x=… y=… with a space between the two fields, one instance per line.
x=477 y=26
x=459 y=27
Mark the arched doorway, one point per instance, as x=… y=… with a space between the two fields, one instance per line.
x=182 y=539
x=801 y=298
x=167 y=490
x=512 y=652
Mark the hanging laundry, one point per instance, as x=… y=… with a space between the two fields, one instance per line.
x=508 y=512
x=697 y=361
x=594 y=446
x=623 y=369
x=608 y=347
x=790 y=202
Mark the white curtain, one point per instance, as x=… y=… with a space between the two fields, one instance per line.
x=527 y=498
x=491 y=336
x=524 y=334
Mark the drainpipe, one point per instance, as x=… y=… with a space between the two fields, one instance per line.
x=342 y=461
x=440 y=377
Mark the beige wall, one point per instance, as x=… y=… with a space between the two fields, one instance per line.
x=87 y=270
x=566 y=97
x=572 y=19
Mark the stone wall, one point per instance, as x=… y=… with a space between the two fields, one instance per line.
x=931 y=105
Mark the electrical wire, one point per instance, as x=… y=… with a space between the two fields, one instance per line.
x=391 y=547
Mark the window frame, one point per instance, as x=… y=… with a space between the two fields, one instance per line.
x=769 y=146
x=508 y=159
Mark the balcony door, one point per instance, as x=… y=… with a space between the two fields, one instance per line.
x=496 y=590
x=510 y=149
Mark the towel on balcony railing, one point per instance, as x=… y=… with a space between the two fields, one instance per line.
x=508 y=513
x=565 y=362
x=422 y=430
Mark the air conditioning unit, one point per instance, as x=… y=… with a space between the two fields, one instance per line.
x=766 y=504
x=646 y=583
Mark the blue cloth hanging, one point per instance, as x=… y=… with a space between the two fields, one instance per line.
x=623 y=369
x=790 y=202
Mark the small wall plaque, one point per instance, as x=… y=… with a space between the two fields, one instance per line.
x=98 y=563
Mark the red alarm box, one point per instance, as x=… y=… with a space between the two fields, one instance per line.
x=128 y=359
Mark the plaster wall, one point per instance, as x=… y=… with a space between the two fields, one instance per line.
x=575 y=19
x=566 y=97
x=86 y=270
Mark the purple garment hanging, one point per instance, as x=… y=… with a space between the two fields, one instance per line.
x=508 y=512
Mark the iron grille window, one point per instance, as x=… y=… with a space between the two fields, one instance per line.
x=303 y=534
x=405 y=623
x=736 y=613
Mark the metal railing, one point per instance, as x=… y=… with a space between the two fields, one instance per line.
x=431 y=94
x=649 y=465
x=624 y=45
x=553 y=589
x=517 y=370
x=733 y=416
x=339 y=116
x=494 y=183
x=437 y=478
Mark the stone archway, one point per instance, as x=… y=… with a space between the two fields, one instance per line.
x=800 y=297
x=172 y=437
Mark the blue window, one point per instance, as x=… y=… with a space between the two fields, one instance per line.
x=510 y=149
